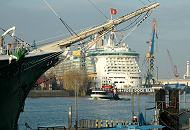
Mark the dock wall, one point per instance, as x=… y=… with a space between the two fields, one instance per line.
x=48 y=93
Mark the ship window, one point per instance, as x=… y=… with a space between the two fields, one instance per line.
x=102 y=93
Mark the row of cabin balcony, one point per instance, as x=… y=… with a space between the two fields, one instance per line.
x=122 y=67
x=124 y=70
x=121 y=60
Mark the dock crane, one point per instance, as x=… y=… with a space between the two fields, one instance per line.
x=150 y=79
x=173 y=66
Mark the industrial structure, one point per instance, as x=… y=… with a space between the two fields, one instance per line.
x=150 y=58
x=186 y=76
x=173 y=66
x=170 y=111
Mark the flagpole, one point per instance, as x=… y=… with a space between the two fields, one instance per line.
x=111 y=14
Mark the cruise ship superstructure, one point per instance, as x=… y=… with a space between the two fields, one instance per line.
x=116 y=65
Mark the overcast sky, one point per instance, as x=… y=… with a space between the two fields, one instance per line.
x=34 y=21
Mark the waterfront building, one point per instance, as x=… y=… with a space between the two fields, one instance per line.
x=106 y=63
x=70 y=63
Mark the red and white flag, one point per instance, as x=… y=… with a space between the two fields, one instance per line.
x=113 y=11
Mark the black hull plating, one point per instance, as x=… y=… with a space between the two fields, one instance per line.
x=16 y=80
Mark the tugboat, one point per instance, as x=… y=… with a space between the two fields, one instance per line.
x=106 y=92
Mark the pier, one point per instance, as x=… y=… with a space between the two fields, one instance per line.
x=141 y=90
x=48 y=93
x=136 y=90
x=86 y=124
x=173 y=81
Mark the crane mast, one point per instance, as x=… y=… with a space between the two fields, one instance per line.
x=173 y=66
x=150 y=79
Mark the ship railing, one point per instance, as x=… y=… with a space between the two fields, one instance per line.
x=6 y=51
x=51 y=127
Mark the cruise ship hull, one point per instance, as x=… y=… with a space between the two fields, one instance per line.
x=16 y=80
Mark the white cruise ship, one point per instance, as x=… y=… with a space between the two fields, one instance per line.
x=116 y=65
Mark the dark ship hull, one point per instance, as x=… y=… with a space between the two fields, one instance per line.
x=16 y=80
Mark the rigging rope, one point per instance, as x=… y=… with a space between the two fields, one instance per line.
x=142 y=2
x=128 y=26
x=63 y=22
x=56 y=37
x=135 y=22
x=71 y=31
x=100 y=11
x=96 y=40
x=135 y=27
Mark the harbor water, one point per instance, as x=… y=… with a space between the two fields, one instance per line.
x=54 y=111
x=51 y=111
